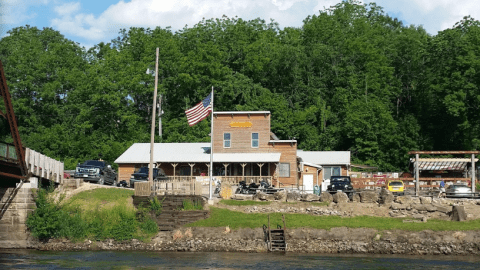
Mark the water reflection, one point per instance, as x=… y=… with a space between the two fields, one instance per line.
x=31 y=259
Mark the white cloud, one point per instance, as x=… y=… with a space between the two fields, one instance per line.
x=177 y=14
x=67 y=9
x=15 y=11
x=434 y=15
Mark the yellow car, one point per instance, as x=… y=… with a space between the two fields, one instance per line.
x=396 y=187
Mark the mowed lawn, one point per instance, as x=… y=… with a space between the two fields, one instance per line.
x=224 y=217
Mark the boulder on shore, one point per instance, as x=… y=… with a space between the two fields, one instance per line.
x=326 y=197
x=293 y=196
x=458 y=213
x=368 y=197
x=310 y=197
x=280 y=195
x=340 y=197
x=386 y=197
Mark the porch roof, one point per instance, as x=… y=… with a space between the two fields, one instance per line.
x=443 y=164
x=188 y=152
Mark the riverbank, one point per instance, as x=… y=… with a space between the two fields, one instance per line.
x=409 y=226
x=333 y=241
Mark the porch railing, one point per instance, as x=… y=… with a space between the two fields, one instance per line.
x=198 y=185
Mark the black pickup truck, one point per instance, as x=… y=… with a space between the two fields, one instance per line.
x=342 y=183
x=142 y=175
x=97 y=171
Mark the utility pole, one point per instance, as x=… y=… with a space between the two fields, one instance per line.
x=152 y=132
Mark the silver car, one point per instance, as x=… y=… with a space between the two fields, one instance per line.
x=459 y=191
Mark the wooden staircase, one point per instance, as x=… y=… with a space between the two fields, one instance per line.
x=276 y=238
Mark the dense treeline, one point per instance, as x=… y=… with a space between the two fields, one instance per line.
x=351 y=78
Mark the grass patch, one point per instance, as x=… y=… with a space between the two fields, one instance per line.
x=320 y=203
x=95 y=214
x=100 y=198
x=223 y=217
x=188 y=205
x=240 y=203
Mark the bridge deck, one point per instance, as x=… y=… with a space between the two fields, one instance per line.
x=38 y=165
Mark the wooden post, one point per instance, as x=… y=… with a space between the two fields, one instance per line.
x=37 y=163
x=174 y=167
x=260 y=165
x=243 y=170
x=226 y=165
x=473 y=173
x=192 y=183
x=417 y=175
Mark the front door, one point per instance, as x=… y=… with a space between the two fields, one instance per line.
x=308 y=183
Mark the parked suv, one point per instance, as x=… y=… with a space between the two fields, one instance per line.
x=142 y=175
x=97 y=171
x=342 y=183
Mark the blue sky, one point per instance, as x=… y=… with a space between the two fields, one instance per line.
x=90 y=22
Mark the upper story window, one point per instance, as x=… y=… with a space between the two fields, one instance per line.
x=226 y=140
x=255 y=140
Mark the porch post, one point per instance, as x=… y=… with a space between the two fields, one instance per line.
x=174 y=166
x=260 y=165
x=417 y=175
x=473 y=173
x=208 y=167
x=192 y=183
x=243 y=170
x=226 y=165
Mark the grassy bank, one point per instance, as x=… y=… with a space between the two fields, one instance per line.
x=233 y=219
x=95 y=214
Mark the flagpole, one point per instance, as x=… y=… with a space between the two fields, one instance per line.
x=211 y=152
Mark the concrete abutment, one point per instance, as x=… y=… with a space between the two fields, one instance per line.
x=15 y=205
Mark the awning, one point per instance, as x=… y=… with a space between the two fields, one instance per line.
x=442 y=164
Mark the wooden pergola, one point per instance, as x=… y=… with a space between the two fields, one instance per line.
x=417 y=169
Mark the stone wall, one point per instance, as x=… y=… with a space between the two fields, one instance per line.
x=15 y=205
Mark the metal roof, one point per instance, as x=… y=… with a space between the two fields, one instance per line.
x=243 y=112
x=312 y=165
x=188 y=152
x=442 y=164
x=325 y=157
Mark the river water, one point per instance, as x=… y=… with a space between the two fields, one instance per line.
x=32 y=259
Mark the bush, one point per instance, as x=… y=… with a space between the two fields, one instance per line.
x=48 y=220
x=156 y=206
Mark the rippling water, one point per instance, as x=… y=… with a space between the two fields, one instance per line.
x=31 y=259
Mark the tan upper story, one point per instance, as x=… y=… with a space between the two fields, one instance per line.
x=249 y=132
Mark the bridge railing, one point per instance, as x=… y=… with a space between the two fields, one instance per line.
x=43 y=166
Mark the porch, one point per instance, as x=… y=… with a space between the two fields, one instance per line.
x=193 y=185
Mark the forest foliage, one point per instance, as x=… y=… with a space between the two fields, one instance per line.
x=351 y=78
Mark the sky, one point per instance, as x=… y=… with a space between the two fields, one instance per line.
x=90 y=22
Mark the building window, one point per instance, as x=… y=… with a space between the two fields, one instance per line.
x=331 y=171
x=284 y=170
x=255 y=140
x=226 y=140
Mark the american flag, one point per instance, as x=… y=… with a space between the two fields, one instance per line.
x=200 y=111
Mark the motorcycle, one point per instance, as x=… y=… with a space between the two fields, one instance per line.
x=218 y=187
x=243 y=188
